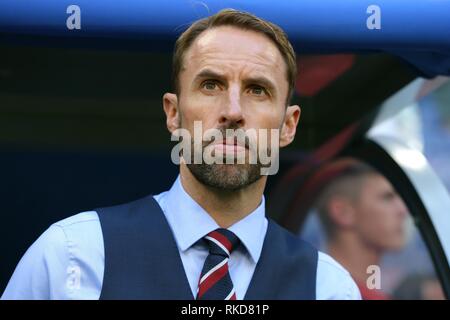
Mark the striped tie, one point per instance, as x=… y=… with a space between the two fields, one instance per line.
x=215 y=281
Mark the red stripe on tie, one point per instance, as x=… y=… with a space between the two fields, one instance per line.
x=212 y=279
x=222 y=239
x=233 y=297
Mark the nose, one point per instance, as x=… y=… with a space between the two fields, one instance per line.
x=231 y=114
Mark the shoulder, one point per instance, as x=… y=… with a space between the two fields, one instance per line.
x=82 y=227
x=82 y=232
x=295 y=253
x=333 y=281
x=287 y=240
x=82 y=224
x=80 y=218
x=129 y=209
x=70 y=246
x=68 y=241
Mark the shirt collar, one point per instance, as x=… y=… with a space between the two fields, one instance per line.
x=190 y=222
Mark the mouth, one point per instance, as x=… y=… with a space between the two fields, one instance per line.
x=230 y=146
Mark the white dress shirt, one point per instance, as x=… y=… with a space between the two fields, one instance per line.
x=67 y=260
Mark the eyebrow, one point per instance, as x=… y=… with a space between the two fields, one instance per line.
x=258 y=80
x=208 y=73
x=263 y=82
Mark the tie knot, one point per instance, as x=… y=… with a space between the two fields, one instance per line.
x=222 y=242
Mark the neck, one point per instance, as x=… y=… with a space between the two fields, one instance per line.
x=224 y=206
x=355 y=255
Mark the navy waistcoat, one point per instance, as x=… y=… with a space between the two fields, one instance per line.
x=142 y=260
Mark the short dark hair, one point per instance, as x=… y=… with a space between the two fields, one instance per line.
x=347 y=182
x=242 y=20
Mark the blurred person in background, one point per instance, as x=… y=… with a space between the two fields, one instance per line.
x=363 y=217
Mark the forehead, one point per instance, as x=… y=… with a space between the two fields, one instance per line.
x=231 y=48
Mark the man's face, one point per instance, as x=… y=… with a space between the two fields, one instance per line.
x=232 y=79
x=380 y=214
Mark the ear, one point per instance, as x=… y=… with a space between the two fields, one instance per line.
x=289 y=126
x=341 y=212
x=170 y=103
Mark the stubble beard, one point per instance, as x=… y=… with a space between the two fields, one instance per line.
x=229 y=177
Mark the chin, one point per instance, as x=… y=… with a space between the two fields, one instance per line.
x=226 y=176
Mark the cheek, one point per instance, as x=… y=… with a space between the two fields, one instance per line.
x=267 y=117
x=388 y=214
x=378 y=225
x=370 y=219
x=198 y=109
x=380 y=221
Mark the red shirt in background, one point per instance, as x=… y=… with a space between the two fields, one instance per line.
x=371 y=294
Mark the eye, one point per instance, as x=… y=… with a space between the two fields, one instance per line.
x=388 y=196
x=257 y=90
x=209 y=85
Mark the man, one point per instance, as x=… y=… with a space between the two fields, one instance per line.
x=207 y=237
x=363 y=217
